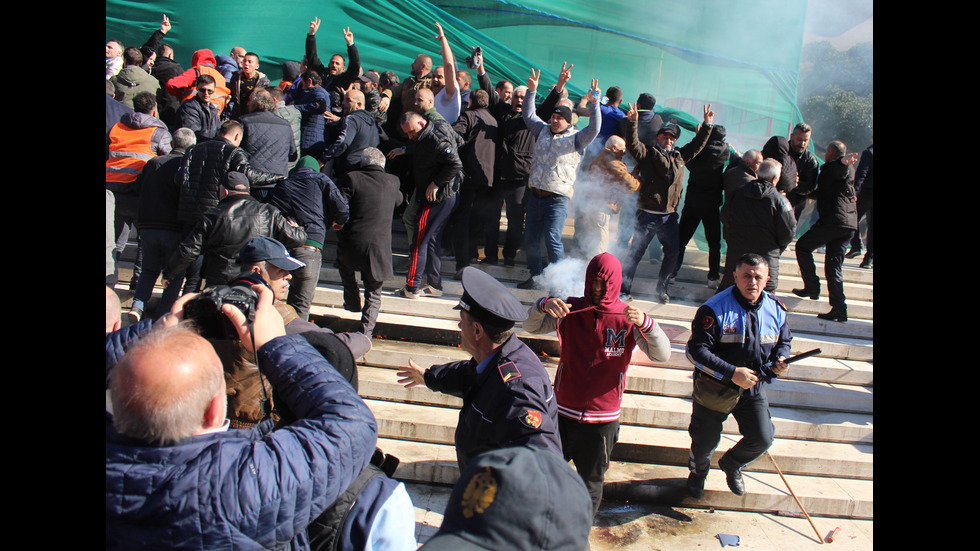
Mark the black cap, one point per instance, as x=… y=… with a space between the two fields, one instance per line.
x=671 y=129
x=516 y=498
x=488 y=301
x=565 y=111
x=267 y=249
x=235 y=181
x=369 y=76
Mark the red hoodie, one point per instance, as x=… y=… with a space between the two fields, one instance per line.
x=597 y=346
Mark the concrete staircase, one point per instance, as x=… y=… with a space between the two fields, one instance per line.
x=823 y=410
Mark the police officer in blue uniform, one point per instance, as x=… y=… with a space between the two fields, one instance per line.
x=507 y=395
x=739 y=339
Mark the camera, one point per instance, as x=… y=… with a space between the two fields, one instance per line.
x=470 y=61
x=205 y=310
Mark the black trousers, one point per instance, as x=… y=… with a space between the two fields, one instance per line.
x=590 y=446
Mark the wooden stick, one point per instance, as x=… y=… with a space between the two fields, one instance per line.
x=792 y=493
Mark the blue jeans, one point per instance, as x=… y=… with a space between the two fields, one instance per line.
x=754 y=423
x=545 y=220
x=157 y=247
x=648 y=225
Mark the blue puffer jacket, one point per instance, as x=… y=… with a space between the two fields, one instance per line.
x=244 y=489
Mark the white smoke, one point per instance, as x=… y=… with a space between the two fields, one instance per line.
x=565 y=278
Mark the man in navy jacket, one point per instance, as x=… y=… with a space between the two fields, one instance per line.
x=178 y=479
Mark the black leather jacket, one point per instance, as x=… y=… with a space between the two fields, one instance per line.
x=436 y=160
x=202 y=170
x=224 y=230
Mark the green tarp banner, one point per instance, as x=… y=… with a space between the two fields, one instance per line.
x=742 y=57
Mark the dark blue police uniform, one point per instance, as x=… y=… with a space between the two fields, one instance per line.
x=510 y=404
x=729 y=332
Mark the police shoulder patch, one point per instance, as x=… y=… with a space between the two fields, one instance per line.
x=707 y=322
x=508 y=371
x=530 y=418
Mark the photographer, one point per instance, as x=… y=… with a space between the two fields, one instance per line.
x=164 y=458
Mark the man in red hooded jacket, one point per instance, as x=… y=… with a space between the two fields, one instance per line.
x=597 y=334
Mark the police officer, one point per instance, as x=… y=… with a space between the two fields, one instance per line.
x=739 y=339
x=507 y=395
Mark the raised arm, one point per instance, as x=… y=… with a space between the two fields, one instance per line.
x=448 y=63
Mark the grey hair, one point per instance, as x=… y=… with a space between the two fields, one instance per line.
x=372 y=156
x=770 y=170
x=184 y=138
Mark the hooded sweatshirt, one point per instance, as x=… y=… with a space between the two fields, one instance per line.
x=596 y=346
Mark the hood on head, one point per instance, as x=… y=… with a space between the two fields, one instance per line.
x=203 y=57
x=608 y=268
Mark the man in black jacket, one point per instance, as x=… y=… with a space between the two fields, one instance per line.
x=438 y=172
x=156 y=219
x=837 y=207
x=267 y=137
x=225 y=229
x=337 y=75
x=358 y=131
x=759 y=220
x=364 y=243
x=478 y=129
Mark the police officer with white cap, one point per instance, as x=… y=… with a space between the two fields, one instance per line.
x=507 y=395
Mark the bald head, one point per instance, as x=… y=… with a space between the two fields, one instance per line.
x=753 y=159
x=421 y=66
x=353 y=101
x=424 y=100
x=617 y=145
x=168 y=387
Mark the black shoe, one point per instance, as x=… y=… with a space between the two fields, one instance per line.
x=529 y=284
x=853 y=253
x=803 y=293
x=695 y=484
x=868 y=261
x=734 y=476
x=489 y=261
x=458 y=276
x=835 y=314
x=509 y=262
x=663 y=297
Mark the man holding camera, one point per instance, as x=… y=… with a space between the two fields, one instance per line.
x=168 y=450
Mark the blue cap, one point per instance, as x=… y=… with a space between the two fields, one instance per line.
x=267 y=249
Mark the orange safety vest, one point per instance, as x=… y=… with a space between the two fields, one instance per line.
x=129 y=149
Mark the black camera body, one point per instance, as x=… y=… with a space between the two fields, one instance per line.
x=469 y=60
x=205 y=310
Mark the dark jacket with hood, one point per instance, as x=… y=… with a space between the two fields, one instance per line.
x=758 y=219
x=836 y=198
x=596 y=346
x=479 y=131
x=704 y=185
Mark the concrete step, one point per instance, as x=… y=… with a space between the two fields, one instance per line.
x=676 y=382
x=641 y=376
x=637 y=444
x=665 y=484
x=670 y=412
x=330 y=293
